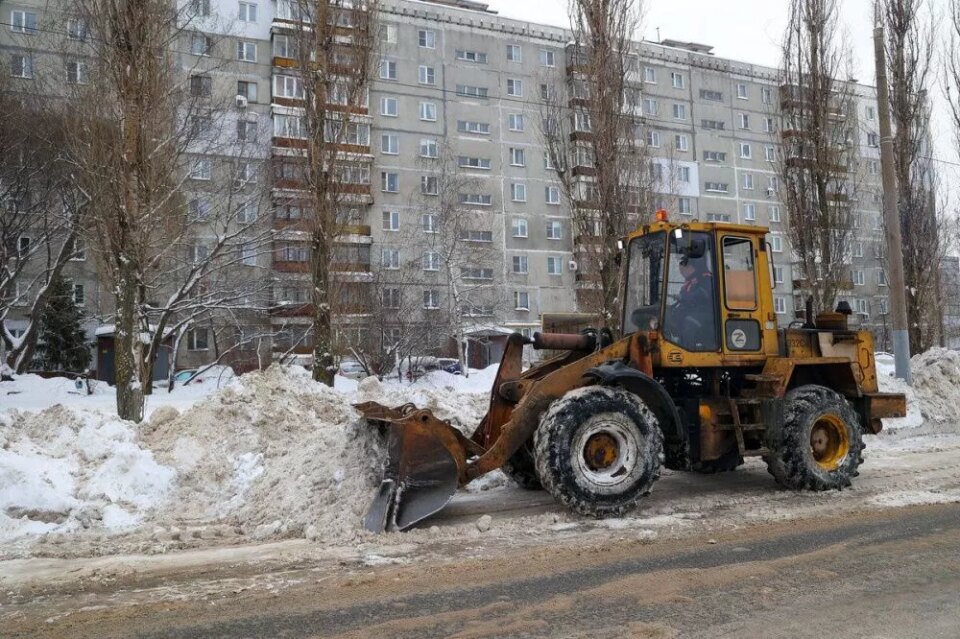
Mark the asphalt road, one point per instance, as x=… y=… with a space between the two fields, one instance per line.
x=888 y=575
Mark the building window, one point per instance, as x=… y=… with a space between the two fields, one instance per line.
x=750 y=212
x=515 y=122
x=778 y=275
x=200 y=44
x=653 y=139
x=769 y=125
x=748 y=181
x=873 y=140
x=79 y=294
x=247 y=51
x=679 y=111
x=684 y=206
x=547 y=58
x=201 y=169
x=288 y=86
x=389 y=107
x=650 y=75
x=429 y=148
x=388 y=70
x=429 y=185
x=776 y=243
x=774 y=213
x=427 y=75
x=198 y=339
x=391 y=220
x=389 y=182
x=247 y=90
x=680 y=141
x=554 y=265
x=247 y=212
x=518 y=192
x=201 y=86
x=248 y=12
x=552 y=194
x=465 y=162
x=858 y=278
x=650 y=106
x=714 y=156
x=871 y=113
x=23 y=22
x=246 y=130
x=521 y=300
x=745 y=151
x=514 y=53
x=428 y=222
x=779 y=305
x=390 y=259
x=390 y=144
x=742 y=92
x=21 y=66
x=769 y=153
x=76 y=72
x=477 y=57
x=858 y=249
x=247 y=254
x=475 y=199
x=469 y=91
x=518 y=157
x=716 y=187
x=389 y=33
x=198 y=209
x=427 y=39
x=519 y=227
x=428 y=111
x=713 y=96
x=23 y=245
x=520 y=264
x=431 y=299
x=873 y=167
x=683 y=174
x=881 y=277
x=744 y=121
x=431 y=261
x=766 y=96
x=554 y=230
x=391 y=297
x=677 y=80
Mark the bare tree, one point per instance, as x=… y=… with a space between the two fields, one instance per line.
x=170 y=187
x=454 y=250
x=591 y=127
x=334 y=47
x=39 y=210
x=819 y=148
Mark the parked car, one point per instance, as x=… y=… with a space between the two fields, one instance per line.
x=449 y=365
x=185 y=375
x=351 y=369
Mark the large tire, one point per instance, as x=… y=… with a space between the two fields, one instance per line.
x=522 y=469
x=598 y=451
x=819 y=446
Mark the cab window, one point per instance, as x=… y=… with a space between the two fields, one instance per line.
x=739 y=274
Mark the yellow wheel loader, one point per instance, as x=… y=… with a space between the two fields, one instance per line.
x=699 y=378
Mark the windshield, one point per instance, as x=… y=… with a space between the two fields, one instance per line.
x=641 y=307
x=692 y=315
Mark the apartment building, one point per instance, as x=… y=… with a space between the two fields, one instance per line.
x=458 y=81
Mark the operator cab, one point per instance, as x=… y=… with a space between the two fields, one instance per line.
x=679 y=269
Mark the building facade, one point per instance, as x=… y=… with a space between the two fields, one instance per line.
x=459 y=83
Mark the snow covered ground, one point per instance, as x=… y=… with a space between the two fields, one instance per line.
x=273 y=455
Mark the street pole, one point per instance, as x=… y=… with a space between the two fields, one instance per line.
x=891 y=218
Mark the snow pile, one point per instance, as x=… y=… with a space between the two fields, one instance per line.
x=60 y=471
x=274 y=453
x=934 y=398
x=269 y=454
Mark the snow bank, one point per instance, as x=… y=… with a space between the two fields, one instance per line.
x=934 y=399
x=269 y=454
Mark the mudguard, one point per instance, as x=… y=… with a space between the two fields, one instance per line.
x=675 y=438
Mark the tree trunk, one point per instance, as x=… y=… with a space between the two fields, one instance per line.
x=127 y=349
x=323 y=369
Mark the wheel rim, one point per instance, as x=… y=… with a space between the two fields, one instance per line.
x=829 y=442
x=606 y=450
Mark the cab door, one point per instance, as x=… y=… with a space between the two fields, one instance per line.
x=740 y=295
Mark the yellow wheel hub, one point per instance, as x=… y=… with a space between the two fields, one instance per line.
x=829 y=442
x=601 y=451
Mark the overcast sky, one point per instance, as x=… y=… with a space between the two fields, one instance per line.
x=749 y=31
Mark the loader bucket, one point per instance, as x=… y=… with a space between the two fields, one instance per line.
x=426 y=461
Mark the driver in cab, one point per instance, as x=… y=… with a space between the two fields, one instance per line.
x=694 y=305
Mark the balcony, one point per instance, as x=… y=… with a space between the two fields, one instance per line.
x=291 y=309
